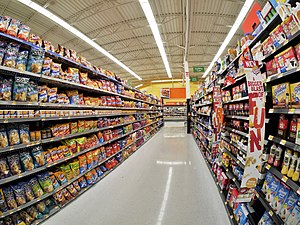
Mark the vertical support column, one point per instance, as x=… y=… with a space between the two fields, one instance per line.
x=188 y=96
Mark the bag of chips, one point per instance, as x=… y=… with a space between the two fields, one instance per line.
x=13 y=27
x=14 y=164
x=82 y=182
x=19 y=193
x=45 y=182
x=3 y=137
x=34 y=213
x=20 y=89
x=3 y=206
x=94 y=175
x=11 y=54
x=46 y=66
x=48 y=157
x=60 y=198
x=80 y=143
x=4 y=23
x=32 y=92
x=35 y=61
x=29 y=195
x=9 y=197
x=38 y=156
x=82 y=163
x=42 y=208
x=24 y=133
x=24 y=31
x=42 y=92
x=54 y=181
x=8 y=221
x=71 y=143
x=60 y=176
x=55 y=70
x=72 y=190
x=75 y=168
x=36 y=188
x=52 y=94
x=49 y=203
x=66 y=151
x=89 y=178
x=17 y=220
x=73 y=127
x=67 y=171
x=67 y=194
x=99 y=172
x=5 y=89
x=26 y=217
x=13 y=134
x=22 y=60
x=89 y=159
x=26 y=161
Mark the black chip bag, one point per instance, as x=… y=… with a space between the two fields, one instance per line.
x=32 y=92
x=14 y=164
x=24 y=133
x=34 y=213
x=29 y=195
x=35 y=61
x=9 y=197
x=22 y=60
x=38 y=156
x=20 y=89
x=11 y=54
x=13 y=134
x=19 y=193
x=4 y=168
x=3 y=206
x=5 y=89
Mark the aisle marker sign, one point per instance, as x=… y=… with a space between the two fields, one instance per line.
x=217 y=118
x=256 y=124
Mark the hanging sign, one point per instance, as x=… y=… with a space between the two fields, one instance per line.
x=256 y=124
x=217 y=118
x=198 y=69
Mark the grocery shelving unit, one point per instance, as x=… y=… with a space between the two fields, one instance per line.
x=174 y=112
x=146 y=112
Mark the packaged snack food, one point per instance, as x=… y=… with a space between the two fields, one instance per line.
x=72 y=190
x=288 y=206
x=38 y=156
x=54 y=181
x=24 y=133
x=286 y=60
x=42 y=92
x=89 y=159
x=17 y=220
x=60 y=176
x=22 y=60
x=10 y=55
x=295 y=94
x=55 y=69
x=35 y=61
x=99 y=172
x=67 y=171
x=26 y=217
x=26 y=161
x=5 y=89
x=13 y=134
x=76 y=185
x=3 y=206
x=294 y=217
x=32 y=92
x=82 y=182
x=9 y=197
x=60 y=198
x=67 y=194
x=52 y=94
x=3 y=137
x=20 y=89
x=71 y=143
x=36 y=188
x=46 y=66
x=33 y=212
x=4 y=23
x=75 y=168
x=42 y=208
x=73 y=127
x=94 y=175
x=19 y=192
x=82 y=163
x=271 y=67
x=45 y=182
x=281 y=95
x=13 y=27
x=29 y=195
x=80 y=143
x=24 y=31
x=280 y=198
x=14 y=164
x=49 y=202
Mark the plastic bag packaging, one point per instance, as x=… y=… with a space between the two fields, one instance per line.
x=29 y=195
x=42 y=208
x=42 y=92
x=35 y=61
x=24 y=133
x=54 y=181
x=38 y=156
x=67 y=171
x=72 y=190
x=13 y=27
x=55 y=69
x=3 y=206
x=34 y=213
x=22 y=60
x=82 y=182
x=4 y=23
x=26 y=161
x=11 y=54
x=82 y=163
x=3 y=137
x=13 y=134
x=36 y=188
x=59 y=197
x=14 y=164
x=20 y=89
x=9 y=197
x=45 y=182
x=19 y=193
x=32 y=92
x=52 y=94
x=76 y=185
x=75 y=168
x=24 y=31
x=46 y=66
x=5 y=89
x=60 y=176
x=26 y=217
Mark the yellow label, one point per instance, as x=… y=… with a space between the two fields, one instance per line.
x=284 y=179
x=271 y=213
x=271 y=110
x=268 y=166
x=298 y=191
x=291 y=111
x=271 y=137
x=283 y=142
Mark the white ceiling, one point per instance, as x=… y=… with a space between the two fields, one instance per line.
x=120 y=27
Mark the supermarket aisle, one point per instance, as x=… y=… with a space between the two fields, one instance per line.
x=165 y=183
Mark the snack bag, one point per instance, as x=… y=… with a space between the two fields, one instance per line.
x=67 y=171
x=89 y=178
x=89 y=159
x=75 y=168
x=80 y=143
x=67 y=194
x=55 y=70
x=33 y=212
x=46 y=66
x=60 y=198
x=9 y=197
x=83 y=77
x=94 y=175
x=22 y=60
x=19 y=193
x=72 y=190
x=48 y=157
x=14 y=164
x=99 y=172
x=54 y=181
x=71 y=143
x=42 y=208
x=36 y=188
x=73 y=127
x=26 y=217
x=52 y=94
x=5 y=89
x=4 y=23
x=35 y=61
x=76 y=185
x=60 y=176
x=65 y=150
x=11 y=54
x=13 y=27
x=29 y=195
x=32 y=92
x=38 y=156
x=3 y=206
x=45 y=182
x=82 y=163
x=26 y=161
x=17 y=220
x=20 y=89
x=49 y=203
x=24 y=31
x=3 y=138
x=24 y=133
x=2 y=50
x=82 y=182
x=42 y=92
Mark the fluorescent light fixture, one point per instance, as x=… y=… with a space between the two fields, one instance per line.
x=76 y=32
x=154 y=28
x=165 y=81
x=140 y=85
x=236 y=25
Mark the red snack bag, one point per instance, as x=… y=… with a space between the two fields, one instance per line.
x=13 y=27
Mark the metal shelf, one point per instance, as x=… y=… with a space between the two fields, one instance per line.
x=285 y=75
x=204 y=104
x=237 y=132
x=285 y=143
x=238 y=117
x=285 y=111
x=235 y=145
x=237 y=81
x=233 y=157
x=237 y=100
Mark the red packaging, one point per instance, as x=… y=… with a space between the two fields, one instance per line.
x=297 y=52
x=290 y=26
x=293 y=129
x=282 y=126
x=271 y=67
x=278 y=36
x=268 y=46
x=286 y=60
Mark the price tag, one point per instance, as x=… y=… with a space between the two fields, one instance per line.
x=226 y=203
x=14 y=103
x=5 y=121
x=271 y=213
x=271 y=110
x=268 y=166
x=291 y=111
x=271 y=137
x=257 y=195
x=11 y=148
x=282 y=142
x=233 y=179
x=280 y=75
x=284 y=179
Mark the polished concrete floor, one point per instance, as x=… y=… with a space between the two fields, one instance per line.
x=165 y=183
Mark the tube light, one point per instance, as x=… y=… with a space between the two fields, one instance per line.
x=154 y=28
x=232 y=31
x=77 y=33
x=140 y=85
x=163 y=81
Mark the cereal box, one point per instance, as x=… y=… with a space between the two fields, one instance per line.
x=295 y=94
x=281 y=95
x=271 y=67
x=280 y=197
x=290 y=26
x=272 y=191
x=294 y=217
x=264 y=219
x=278 y=36
x=286 y=60
x=297 y=52
x=288 y=205
x=269 y=178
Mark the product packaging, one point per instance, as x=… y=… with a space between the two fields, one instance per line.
x=281 y=95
